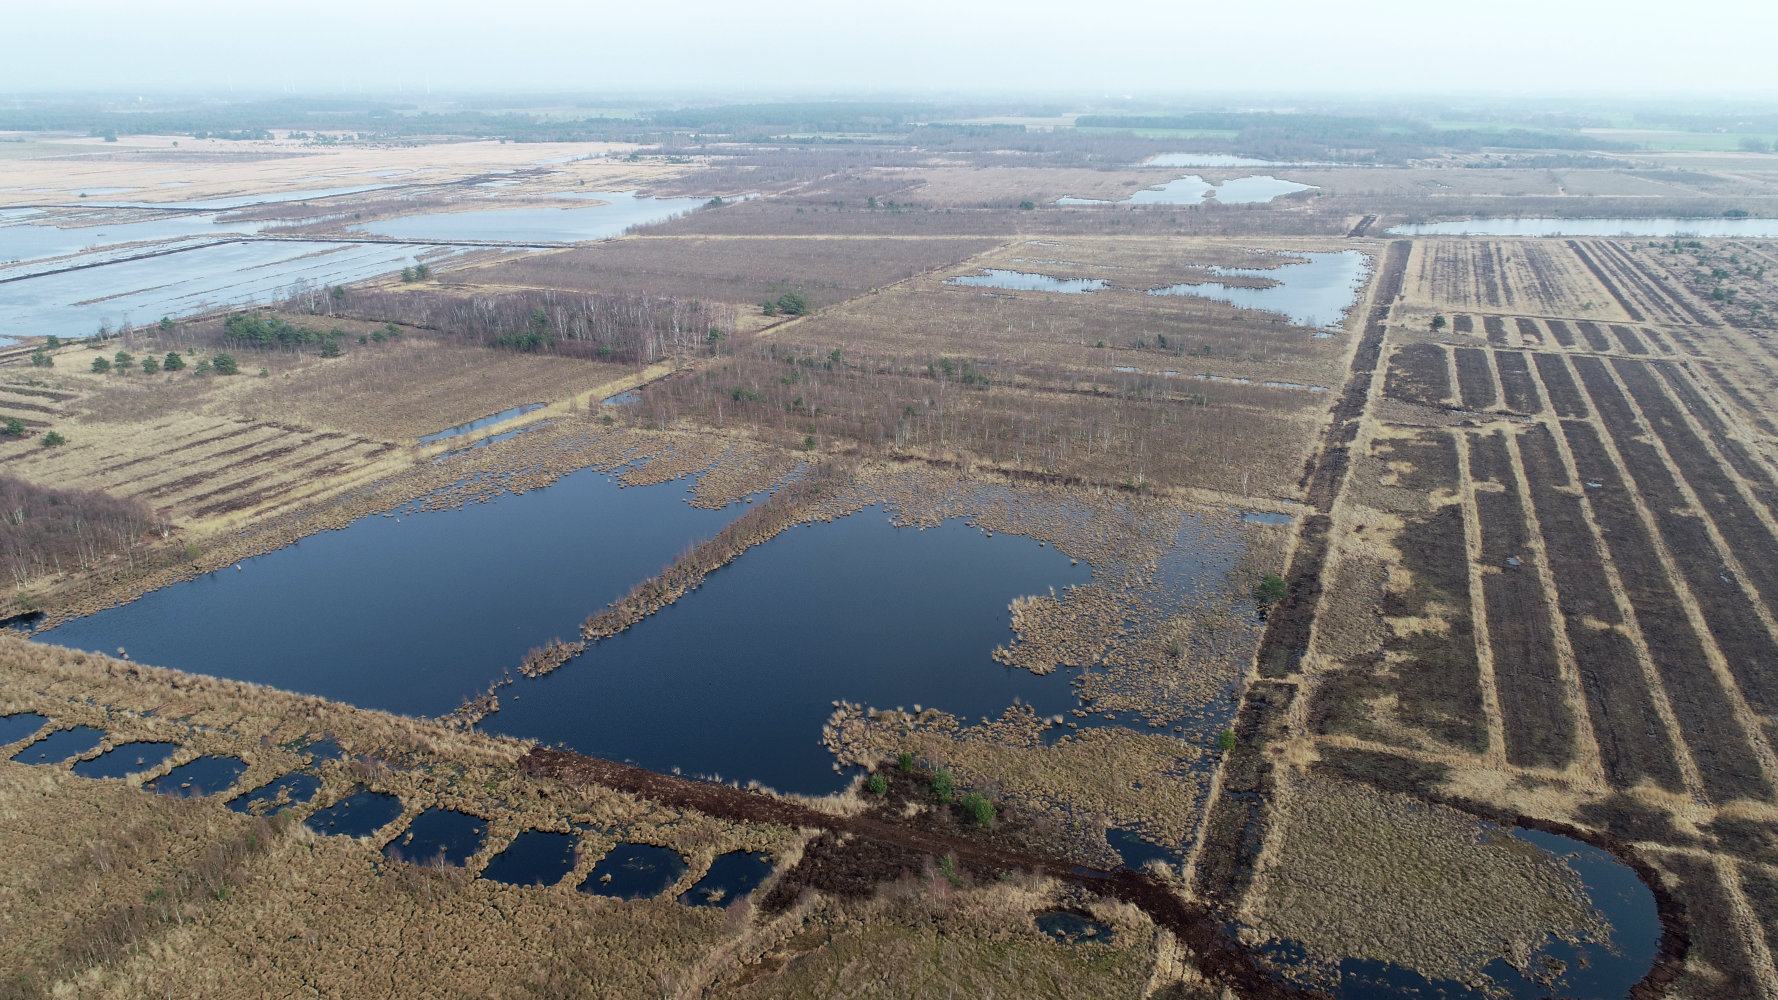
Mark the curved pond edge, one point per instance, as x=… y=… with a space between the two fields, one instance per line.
x=1675 y=941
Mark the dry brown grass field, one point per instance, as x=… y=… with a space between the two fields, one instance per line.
x=1529 y=579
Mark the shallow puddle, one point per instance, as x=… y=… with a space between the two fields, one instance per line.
x=535 y=857
x=281 y=793
x=204 y=776
x=61 y=745
x=357 y=815
x=1137 y=851
x=439 y=838
x=634 y=871
x=1066 y=927
x=731 y=876
x=126 y=759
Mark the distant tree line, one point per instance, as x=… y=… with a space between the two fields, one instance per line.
x=623 y=327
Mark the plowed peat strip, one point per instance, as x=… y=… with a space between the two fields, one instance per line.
x=1561 y=331
x=1667 y=292
x=1599 y=275
x=1634 y=743
x=1733 y=451
x=1474 y=379
x=1516 y=382
x=1419 y=373
x=1745 y=643
x=1596 y=338
x=1528 y=331
x=1706 y=715
x=1496 y=328
x=1437 y=679
x=1708 y=907
x=1539 y=731
x=1750 y=412
x=1628 y=338
x=1564 y=395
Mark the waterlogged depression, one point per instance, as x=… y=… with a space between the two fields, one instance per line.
x=65 y=275
x=1316 y=292
x=1192 y=189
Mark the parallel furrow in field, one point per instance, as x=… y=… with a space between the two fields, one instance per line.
x=1516 y=383
x=1706 y=714
x=1474 y=379
x=1634 y=743
x=1537 y=725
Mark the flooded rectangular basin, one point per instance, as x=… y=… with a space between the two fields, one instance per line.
x=535 y=857
x=634 y=871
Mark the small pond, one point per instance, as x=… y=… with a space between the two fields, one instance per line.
x=61 y=745
x=629 y=397
x=992 y=277
x=535 y=857
x=634 y=871
x=1689 y=228
x=126 y=759
x=439 y=837
x=731 y=876
x=1315 y=293
x=204 y=776
x=482 y=422
x=357 y=815
x=1068 y=927
x=1137 y=850
x=16 y=727
x=281 y=793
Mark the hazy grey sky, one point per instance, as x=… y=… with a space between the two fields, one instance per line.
x=1402 y=47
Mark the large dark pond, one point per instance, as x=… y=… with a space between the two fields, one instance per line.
x=410 y=615
x=737 y=678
